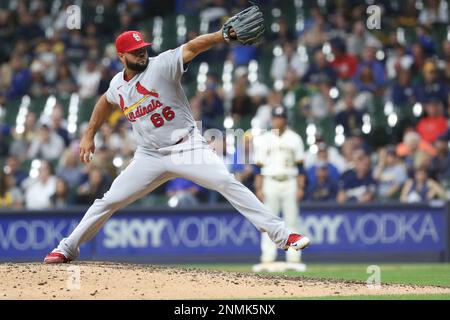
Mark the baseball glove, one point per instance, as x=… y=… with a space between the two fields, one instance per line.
x=248 y=26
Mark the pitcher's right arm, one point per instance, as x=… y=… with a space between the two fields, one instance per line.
x=101 y=113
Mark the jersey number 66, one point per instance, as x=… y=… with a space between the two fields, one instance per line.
x=158 y=120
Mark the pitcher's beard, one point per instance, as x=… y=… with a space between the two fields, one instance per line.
x=137 y=67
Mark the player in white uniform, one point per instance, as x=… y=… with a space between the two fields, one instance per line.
x=150 y=95
x=280 y=183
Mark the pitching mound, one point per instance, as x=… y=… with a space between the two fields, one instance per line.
x=87 y=280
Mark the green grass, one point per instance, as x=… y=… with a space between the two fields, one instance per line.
x=387 y=297
x=415 y=274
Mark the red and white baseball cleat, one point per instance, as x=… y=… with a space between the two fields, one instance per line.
x=55 y=257
x=296 y=242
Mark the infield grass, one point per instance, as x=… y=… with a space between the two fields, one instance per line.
x=437 y=274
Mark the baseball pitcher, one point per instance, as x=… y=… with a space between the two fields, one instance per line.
x=280 y=182
x=149 y=93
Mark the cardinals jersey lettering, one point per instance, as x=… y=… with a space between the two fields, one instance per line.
x=154 y=101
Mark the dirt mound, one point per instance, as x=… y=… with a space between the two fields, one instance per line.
x=88 y=280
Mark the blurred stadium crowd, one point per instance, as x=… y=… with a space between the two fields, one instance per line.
x=371 y=105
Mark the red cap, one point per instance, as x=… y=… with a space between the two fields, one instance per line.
x=129 y=41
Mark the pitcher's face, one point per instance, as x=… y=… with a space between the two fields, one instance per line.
x=136 y=60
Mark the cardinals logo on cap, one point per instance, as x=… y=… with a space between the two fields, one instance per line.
x=136 y=37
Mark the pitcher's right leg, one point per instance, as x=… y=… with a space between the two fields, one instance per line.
x=142 y=175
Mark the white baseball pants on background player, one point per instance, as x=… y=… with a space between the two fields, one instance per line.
x=193 y=160
x=280 y=196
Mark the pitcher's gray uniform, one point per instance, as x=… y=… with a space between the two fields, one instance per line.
x=155 y=103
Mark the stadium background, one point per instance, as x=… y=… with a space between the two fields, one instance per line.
x=373 y=103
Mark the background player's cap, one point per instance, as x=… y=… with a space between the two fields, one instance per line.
x=129 y=41
x=279 y=111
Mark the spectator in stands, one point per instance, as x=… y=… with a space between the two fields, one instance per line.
x=20 y=80
x=212 y=14
x=4 y=139
x=48 y=145
x=361 y=38
x=289 y=59
x=284 y=34
x=326 y=152
x=340 y=26
x=315 y=36
x=344 y=63
x=182 y=192
x=103 y=138
x=211 y=106
x=241 y=55
x=122 y=140
x=370 y=72
x=7 y=31
x=24 y=138
x=363 y=100
x=28 y=28
x=413 y=150
x=104 y=159
x=421 y=188
x=44 y=57
x=320 y=103
x=323 y=158
x=397 y=60
x=263 y=117
x=69 y=168
x=241 y=104
x=358 y=184
x=402 y=91
x=12 y=167
x=39 y=86
x=390 y=174
x=350 y=119
x=322 y=188
x=444 y=63
x=425 y=39
x=440 y=164
x=433 y=124
x=10 y=195
x=419 y=58
x=62 y=197
x=434 y=11
x=58 y=124
x=257 y=92
x=65 y=81
x=89 y=79
x=76 y=49
x=38 y=191
x=432 y=87
x=94 y=188
x=319 y=70
x=293 y=92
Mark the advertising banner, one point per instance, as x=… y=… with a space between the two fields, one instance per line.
x=199 y=235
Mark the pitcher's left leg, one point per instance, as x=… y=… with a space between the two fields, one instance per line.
x=211 y=173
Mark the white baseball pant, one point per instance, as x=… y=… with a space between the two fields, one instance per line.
x=193 y=160
x=280 y=196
